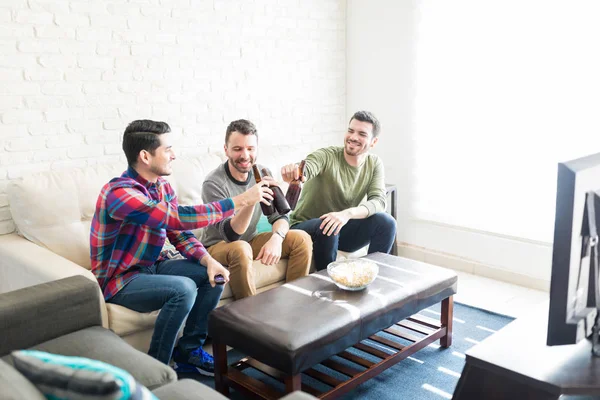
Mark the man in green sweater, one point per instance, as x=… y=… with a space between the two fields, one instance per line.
x=343 y=200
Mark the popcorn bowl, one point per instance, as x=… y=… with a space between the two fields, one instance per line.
x=353 y=274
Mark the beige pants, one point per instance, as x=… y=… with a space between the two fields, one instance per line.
x=239 y=255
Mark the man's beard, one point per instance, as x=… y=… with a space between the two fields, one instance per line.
x=241 y=169
x=357 y=150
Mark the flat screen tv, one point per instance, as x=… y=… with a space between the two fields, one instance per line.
x=574 y=279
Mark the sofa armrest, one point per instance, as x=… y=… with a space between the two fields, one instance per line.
x=24 y=263
x=39 y=313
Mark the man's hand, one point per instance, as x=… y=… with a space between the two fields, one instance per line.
x=270 y=253
x=333 y=222
x=291 y=172
x=269 y=180
x=213 y=267
x=257 y=193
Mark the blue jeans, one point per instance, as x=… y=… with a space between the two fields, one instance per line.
x=378 y=231
x=179 y=289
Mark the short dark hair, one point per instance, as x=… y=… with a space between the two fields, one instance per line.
x=242 y=126
x=141 y=135
x=366 y=116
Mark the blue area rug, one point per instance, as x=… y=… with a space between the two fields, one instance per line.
x=431 y=373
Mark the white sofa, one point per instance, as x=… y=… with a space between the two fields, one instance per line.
x=53 y=210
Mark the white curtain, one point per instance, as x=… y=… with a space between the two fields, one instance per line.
x=505 y=90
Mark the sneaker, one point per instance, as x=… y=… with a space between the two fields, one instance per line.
x=197 y=361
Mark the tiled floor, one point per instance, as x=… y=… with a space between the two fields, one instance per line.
x=500 y=297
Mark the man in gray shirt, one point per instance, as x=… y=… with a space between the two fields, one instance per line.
x=234 y=241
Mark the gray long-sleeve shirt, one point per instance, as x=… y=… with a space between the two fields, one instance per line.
x=220 y=184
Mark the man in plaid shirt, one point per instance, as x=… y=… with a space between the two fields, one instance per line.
x=135 y=214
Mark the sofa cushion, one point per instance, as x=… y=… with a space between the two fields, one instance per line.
x=54 y=209
x=59 y=376
x=187 y=389
x=101 y=344
x=344 y=255
x=124 y=321
x=188 y=176
x=14 y=386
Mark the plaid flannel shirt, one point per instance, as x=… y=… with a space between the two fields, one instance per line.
x=132 y=219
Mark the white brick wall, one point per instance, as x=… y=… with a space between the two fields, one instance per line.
x=74 y=73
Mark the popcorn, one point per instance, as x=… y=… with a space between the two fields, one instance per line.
x=353 y=274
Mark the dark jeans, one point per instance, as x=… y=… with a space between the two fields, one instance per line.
x=378 y=231
x=179 y=289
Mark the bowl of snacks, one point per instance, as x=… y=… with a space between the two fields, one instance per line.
x=354 y=274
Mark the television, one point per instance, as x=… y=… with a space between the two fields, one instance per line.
x=574 y=289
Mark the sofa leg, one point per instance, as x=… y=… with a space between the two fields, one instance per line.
x=220 y=356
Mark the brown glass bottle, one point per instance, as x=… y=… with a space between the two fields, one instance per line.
x=293 y=193
x=266 y=209
x=279 y=201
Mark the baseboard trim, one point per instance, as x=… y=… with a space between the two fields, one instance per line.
x=458 y=263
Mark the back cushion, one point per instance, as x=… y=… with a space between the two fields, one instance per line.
x=54 y=209
x=188 y=176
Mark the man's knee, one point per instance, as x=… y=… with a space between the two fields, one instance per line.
x=217 y=290
x=300 y=239
x=184 y=289
x=386 y=222
x=240 y=247
x=321 y=236
x=239 y=254
x=324 y=243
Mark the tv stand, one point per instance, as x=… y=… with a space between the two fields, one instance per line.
x=515 y=363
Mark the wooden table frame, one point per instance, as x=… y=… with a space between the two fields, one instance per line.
x=392 y=191
x=431 y=330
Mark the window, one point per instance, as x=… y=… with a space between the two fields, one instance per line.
x=505 y=91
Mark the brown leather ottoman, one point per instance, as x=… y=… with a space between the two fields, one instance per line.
x=295 y=326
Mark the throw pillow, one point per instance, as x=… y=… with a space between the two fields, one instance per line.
x=170 y=252
x=63 y=377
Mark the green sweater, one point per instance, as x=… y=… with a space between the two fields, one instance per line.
x=333 y=185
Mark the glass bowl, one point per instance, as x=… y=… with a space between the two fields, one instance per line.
x=353 y=274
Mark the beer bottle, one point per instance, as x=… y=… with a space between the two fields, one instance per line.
x=279 y=201
x=293 y=193
x=266 y=209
